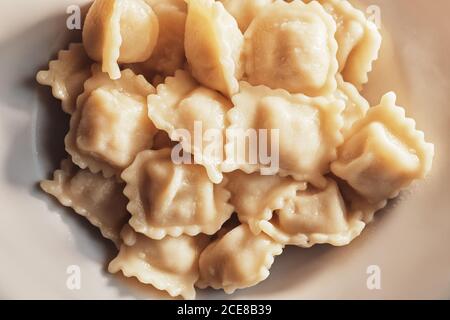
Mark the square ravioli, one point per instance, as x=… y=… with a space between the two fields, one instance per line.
x=383 y=153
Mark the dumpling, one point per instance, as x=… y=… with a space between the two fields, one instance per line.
x=238 y=260
x=213 y=44
x=255 y=197
x=194 y=115
x=358 y=39
x=383 y=153
x=245 y=11
x=173 y=199
x=168 y=55
x=98 y=199
x=356 y=106
x=120 y=31
x=314 y=216
x=66 y=75
x=304 y=133
x=292 y=46
x=170 y=264
x=357 y=203
x=111 y=124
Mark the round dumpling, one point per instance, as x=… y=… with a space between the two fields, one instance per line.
x=213 y=44
x=120 y=31
x=292 y=46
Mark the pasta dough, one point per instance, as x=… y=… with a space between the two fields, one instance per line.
x=255 y=197
x=213 y=44
x=309 y=131
x=184 y=109
x=120 y=31
x=170 y=264
x=98 y=199
x=66 y=75
x=168 y=55
x=383 y=153
x=169 y=199
x=222 y=266
x=292 y=46
x=358 y=39
x=356 y=106
x=110 y=125
x=314 y=217
x=245 y=11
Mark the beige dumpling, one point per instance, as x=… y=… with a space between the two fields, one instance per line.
x=98 y=199
x=168 y=55
x=308 y=133
x=314 y=217
x=255 y=197
x=194 y=115
x=213 y=44
x=383 y=153
x=245 y=11
x=356 y=106
x=358 y=39
x=238 y=260
x=292 y=46
x=170 y=264
x=357 y=203
x=170 y=199
x=66 y=75
x=110 y=125
x=120 y=31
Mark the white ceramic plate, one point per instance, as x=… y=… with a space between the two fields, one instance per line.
x=39 y=239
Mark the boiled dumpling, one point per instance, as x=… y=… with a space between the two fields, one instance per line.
x=237 y=260
x=168 y=55
x=245 y=11
x=383 y=153
x=170 y=264
x=292 y=46
x=173 y=199
x=301 y=138
x=194 y=115
x=66 y=75
x=314 y=216
x=120 y=31
x=356 y=106
x=358 y=39
x=255 y=197
x=98 y=199
x=213 y=44
x=110 y=125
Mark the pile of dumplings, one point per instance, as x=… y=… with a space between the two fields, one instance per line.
x=147 y=69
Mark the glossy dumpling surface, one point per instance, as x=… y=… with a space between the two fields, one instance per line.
x=213 y=44
x=383 y=153
x=170 y=264
x=314 y=216
x=194 y=115
x=238 y=260
x=255 y=197
x=245 y=11
x=306 y=132
x=170 y=199
x=120 y=31
x=110 y=125
x=292 y=46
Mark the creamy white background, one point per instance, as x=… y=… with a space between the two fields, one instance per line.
x=39 y=239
